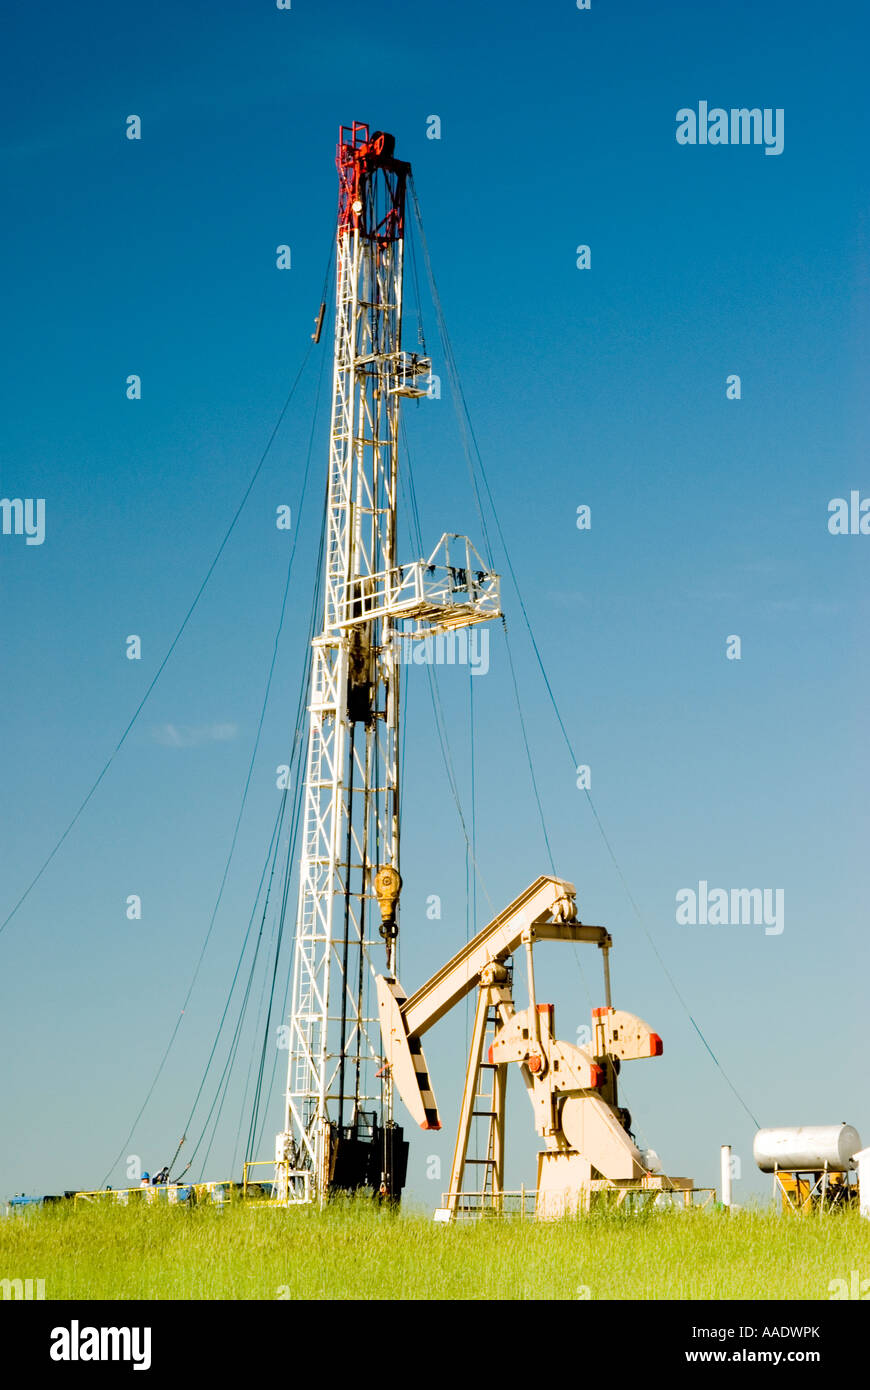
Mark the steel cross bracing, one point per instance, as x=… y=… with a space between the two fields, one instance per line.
x=336 y=1082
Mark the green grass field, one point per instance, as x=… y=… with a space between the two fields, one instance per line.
x=354 y=1251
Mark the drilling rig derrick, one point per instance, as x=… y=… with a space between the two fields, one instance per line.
x=339 y=1132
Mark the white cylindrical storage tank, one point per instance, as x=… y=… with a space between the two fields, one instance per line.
x=806 y=1148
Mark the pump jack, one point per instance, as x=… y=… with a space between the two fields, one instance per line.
x=573 y=1090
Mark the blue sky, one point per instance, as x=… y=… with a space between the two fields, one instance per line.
x=603 y=387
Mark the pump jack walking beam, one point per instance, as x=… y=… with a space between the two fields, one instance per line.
x=546 y=911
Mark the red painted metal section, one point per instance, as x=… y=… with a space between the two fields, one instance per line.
x=371 y=184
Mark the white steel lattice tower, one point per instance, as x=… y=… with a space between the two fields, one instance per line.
x=351 y=805
x=339 y=1130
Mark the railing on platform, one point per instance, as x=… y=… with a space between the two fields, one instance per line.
x=171 y=1193
x=289 y=1187
x=638 y=1198
x=250 y=1187
x=450 y=590
x=463 y=1206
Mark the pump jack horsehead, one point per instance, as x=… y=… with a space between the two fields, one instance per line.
x=573 y=1090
